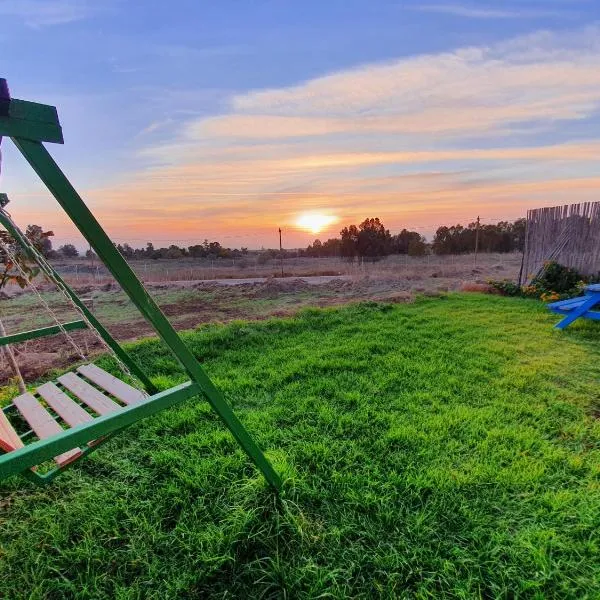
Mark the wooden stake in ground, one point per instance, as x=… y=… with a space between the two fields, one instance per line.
x=12 y=362
x=476 y=240
x=280 y=252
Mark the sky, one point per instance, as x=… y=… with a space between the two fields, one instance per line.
x=227 y=120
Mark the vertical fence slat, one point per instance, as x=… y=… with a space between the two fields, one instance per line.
x=568 y=234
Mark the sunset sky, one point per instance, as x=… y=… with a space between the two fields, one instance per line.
x=186 y=120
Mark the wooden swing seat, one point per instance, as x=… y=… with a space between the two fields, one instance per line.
x=74 y=399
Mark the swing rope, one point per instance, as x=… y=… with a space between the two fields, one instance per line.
x=15 y=262
x=49 y=275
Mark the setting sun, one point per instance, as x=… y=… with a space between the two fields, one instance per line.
x=314 y=222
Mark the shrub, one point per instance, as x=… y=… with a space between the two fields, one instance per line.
x=506 y=287
x=556 y=282
x=558 y=278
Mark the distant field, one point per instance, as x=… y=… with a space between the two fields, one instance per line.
x=447 y=448
x=190 y=300
x=184 y=269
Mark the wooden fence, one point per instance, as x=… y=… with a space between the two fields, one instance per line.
x=568 y=234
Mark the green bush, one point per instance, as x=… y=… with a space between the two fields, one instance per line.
x=506 y=287
x=556 y=282
x=558 y=278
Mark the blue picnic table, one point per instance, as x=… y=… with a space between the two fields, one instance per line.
x=575 y=308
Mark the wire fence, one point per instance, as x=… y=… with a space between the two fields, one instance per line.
x=83 y=270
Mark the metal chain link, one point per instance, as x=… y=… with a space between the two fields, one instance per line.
x=49 y=274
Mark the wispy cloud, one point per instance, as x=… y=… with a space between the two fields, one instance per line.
x=43 y=13
x=482 y=12
x=408 y=140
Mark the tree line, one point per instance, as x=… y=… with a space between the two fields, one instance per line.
x=369 y=240
x=372 y=240
x=212 y=250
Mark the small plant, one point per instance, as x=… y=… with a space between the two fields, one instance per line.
x=506 y=287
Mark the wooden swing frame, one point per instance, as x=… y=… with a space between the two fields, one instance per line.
x=28 y=125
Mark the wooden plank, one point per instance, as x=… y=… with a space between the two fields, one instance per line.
x=31 y=130
x=87 y=393
x=563 y=310
x=68 y=410
x=43 y=424
x=33 y=111
x=565 y=304
x=29 y=120
x=9 y=438
x=114 y=386
x=33 y=454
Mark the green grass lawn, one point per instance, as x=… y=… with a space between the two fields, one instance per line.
x=447 y=448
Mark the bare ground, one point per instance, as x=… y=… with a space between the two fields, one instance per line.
x=189 y=304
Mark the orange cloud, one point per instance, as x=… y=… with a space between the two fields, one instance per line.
x=394 y=140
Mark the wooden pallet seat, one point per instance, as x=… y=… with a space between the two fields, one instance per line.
x=74 y=399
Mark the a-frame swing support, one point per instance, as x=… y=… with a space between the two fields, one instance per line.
x=29 y=124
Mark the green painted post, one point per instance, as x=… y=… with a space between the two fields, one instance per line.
x=33 y=334
x=60 y=187
x=102 y=331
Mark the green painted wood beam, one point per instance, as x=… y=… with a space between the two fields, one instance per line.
x=15 y=338
x=49 y=172
x=29 y=120
x=42 y=450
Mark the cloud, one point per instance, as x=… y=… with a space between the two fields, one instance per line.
x=541 y=78
x=407 y=140
x=479 y=12
x=43 y=13
x=535 y=83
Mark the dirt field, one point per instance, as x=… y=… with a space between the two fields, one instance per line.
x=190 y=303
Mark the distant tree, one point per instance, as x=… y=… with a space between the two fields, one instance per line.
x=417 y=247
x=316 y=249
x=518 y=235
x=126 y=250
x=174 y=252
x=40 y=238
x=89 y=253
x=197 y=251
x=349 y=242
x=402 y=242
x=332 y=247
x=449 y=240
x=500 y=237
x=374 y=239
x=68 y=251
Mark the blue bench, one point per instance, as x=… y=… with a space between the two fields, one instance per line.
x=575 y=308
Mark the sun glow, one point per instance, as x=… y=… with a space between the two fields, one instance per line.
x=314 y=222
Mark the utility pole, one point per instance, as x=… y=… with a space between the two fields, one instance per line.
x=476 y=239
x=280 y=252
